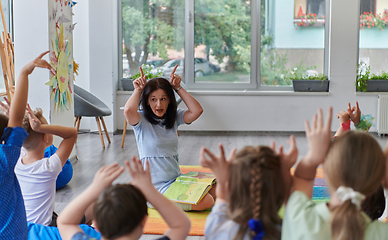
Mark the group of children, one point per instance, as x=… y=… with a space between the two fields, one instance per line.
x=252 y=184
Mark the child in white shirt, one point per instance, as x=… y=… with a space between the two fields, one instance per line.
x=36 y=174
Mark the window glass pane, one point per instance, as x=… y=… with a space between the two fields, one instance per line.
x=292 y=40
x=367 y=6
x=222 y=41
x=373 y=42
x=152 y=34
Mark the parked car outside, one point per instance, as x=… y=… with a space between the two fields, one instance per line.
x=201 y=67
x=216 y=68
x=156 y=63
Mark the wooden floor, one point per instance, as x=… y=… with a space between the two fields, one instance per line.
x=90 y=155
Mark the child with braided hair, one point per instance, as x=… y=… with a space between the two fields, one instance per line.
x=354 y=166
x=252 y=185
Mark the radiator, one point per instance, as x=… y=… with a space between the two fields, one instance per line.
x=382 y=114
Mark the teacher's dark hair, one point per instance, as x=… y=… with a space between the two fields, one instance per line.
x=170 y=115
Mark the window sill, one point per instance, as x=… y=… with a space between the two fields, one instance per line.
x=245 y=93
x=309 y=23
x=370 y=93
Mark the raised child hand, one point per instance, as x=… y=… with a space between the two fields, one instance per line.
x=34 y=121
x=343 y=116
x=289 y=158
x=5 y=107
x=38 y=62
x=105 y=176
x=140 y=82
x=218 y=164
x=175 y=79
x=318 y=137
x=141 y=177
x=354 y=113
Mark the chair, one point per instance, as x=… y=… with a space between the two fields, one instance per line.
x=88 y=105
x=178 y=101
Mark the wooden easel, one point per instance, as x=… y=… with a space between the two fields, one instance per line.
x=7 y=60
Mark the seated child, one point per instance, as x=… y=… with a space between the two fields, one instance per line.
x=373 y=205
x=36 y=174
x=120 y=211
x=13 y=223
x=66 y=174
x=251 y=187
x=354 y=166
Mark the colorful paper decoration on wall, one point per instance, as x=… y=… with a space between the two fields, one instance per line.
x=61 y=57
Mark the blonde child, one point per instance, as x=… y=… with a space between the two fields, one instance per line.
x=354 y=167
x=120 y=211
x=251 y=187
x=373 y=205
x=13 y=223
x=36 y=174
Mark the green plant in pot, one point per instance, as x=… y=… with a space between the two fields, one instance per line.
x=320 y=76
x=127 y=82
x=310 y=83
x=367 y=82
x=147 y=72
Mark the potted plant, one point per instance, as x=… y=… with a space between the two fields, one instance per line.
x=126 y=83
x=367 y=82
x=310 y=83
x=369 y=20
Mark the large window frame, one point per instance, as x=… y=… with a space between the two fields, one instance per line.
x=255 y=81
x=189 y=53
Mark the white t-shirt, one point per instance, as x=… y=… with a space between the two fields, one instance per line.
x=218 y=225
x=37 y=182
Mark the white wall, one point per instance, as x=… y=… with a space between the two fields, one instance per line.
x=95 y=48
x=31 y=39
x=93 y=41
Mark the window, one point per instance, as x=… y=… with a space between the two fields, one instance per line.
x=225 y=44
x=373 y=47
x=316 y=6
x=152 y=33
x=367 y=6
x=222 y=43
x=289 y=47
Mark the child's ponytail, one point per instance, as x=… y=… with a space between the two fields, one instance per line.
x=347 y=222
x=348 y=166
x=256 y=192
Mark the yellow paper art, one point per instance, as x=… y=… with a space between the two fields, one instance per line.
x=62 y=62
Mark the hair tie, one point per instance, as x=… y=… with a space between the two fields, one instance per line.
x=256 y=226
x=347 y=193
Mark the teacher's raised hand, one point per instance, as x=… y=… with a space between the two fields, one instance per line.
x=140 y=82
x=175 y=80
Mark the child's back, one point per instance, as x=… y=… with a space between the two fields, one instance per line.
x=37 y=181
x=120 y=211
x=250 y=191
x=13 y=224
x=354 y=168
x=37 y=175
x=13 y=216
